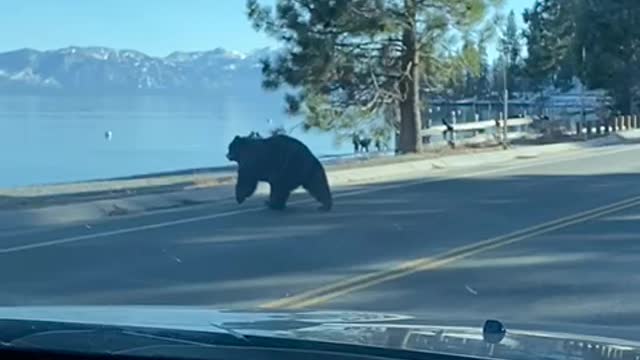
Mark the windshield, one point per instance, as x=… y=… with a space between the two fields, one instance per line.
x=447 y=161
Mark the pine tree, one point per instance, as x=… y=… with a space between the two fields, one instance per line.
x=596 y=41
x=482 y=86
x=511 y=47
x=351 y=61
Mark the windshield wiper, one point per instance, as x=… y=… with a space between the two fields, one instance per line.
x=108 y=338
x=232 y=332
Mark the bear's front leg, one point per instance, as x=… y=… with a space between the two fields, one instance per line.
x=245 y=186
x=278 y=197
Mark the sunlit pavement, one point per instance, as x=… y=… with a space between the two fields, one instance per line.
x=582 y=272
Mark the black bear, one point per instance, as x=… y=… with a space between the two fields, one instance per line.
x=364 y=144
x=283 y=162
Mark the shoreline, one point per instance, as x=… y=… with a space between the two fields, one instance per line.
x=332 y=161
x=37 y=196
x=34 y=196
x=327 y=160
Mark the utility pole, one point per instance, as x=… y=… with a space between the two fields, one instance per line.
x=582 y=86
x=505 y=140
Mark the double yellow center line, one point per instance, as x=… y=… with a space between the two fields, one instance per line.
x=326 y=293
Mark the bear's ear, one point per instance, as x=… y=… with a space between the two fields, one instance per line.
x=236 y=138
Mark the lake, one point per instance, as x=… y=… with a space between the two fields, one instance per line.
x=52 y=139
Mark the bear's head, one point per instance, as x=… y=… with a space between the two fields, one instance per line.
x=241 y=148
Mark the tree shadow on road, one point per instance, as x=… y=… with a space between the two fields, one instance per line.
x=582 y=273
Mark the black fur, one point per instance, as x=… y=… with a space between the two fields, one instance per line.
x=283 y=162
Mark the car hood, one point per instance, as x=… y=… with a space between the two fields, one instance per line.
x=352 y=327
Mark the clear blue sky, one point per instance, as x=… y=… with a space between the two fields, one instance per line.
x=156 y=27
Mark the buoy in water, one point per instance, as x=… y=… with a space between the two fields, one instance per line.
x=108 y=135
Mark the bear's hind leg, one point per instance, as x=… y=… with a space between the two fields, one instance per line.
x=278 y=197
x=318 y=187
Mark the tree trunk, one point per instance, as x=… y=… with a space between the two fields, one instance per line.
x=623 y=97
x=410 y=114
x=628 y=89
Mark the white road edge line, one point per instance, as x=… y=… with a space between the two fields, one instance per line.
x=72 y=239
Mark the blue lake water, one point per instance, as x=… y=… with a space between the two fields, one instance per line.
x=52 y=139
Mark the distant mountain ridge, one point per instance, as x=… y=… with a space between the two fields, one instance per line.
x=105 y=70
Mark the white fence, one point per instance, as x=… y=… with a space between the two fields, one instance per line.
x=476 y=127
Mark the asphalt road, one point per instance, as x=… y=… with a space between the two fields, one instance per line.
x=554 y=239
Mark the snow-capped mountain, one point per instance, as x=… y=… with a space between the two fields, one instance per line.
x=106 y=70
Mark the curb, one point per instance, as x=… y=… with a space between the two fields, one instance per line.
x=629 y=136
x=85 y=212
